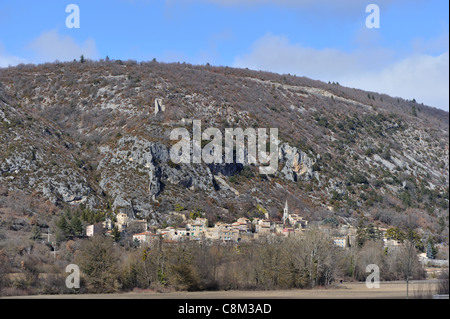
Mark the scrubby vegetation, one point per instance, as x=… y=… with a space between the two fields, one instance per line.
x=272 y=263
x=74 y=137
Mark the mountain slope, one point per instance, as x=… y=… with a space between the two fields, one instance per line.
x=87 y=133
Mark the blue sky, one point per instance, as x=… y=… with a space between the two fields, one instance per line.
x=321 y=39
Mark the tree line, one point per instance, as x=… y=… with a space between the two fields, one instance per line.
x=270 y=263
x=266 y=264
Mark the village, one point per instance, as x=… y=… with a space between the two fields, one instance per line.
x=243 y=230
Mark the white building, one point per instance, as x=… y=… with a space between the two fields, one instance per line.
x=145 y=237
x=341 y=241
x=122 y=221
x=95 y=229
x=197 y=228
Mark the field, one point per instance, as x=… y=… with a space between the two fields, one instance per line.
x=387 y=290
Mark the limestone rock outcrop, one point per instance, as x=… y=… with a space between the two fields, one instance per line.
x=297 y=164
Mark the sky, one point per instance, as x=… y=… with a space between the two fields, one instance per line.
x=406 y=56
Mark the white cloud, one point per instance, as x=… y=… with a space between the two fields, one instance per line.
x=51 y=46
x=420 y=76
x=9 y=60
x=276 y=53
x=293 y=3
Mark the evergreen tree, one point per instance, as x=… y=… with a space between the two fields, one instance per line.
x=361 y=234
x=63 y=229
x=115 y=234
x=431 y=249
x=414 y=110
x=396 y=234
x=373 y=233
x=63 y=225
x=35 y=233
x=87 y=215
x=76 y=226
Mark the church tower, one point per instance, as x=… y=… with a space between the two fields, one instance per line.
x=285 y=213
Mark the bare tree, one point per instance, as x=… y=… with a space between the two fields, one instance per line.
x=443 y=287
x=318 y=257
x=370 y=253
x=97 y=259
x=4 y=265
x=407 y=259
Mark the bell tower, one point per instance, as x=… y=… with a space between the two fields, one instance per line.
x=285 y=213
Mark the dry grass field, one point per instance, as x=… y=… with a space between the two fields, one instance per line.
x=387 y=290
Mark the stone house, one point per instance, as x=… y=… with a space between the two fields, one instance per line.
x=95 y=229
x=145 y=237
x=342 y=242
x=122 y=221
x=197 y=228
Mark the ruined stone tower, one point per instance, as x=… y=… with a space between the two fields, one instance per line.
x=159 y=106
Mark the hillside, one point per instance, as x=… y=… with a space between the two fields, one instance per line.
x=87 y=134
